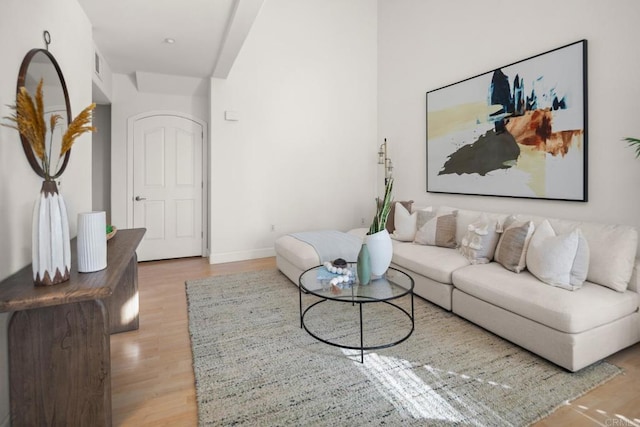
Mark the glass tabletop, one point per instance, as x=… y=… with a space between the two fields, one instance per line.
x=318 y=281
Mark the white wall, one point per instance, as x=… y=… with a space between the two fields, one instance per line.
x=303 y=154
x=128 y=102
x=427 y=44
x=103 y=82
x=101 y=161
x=21 y=30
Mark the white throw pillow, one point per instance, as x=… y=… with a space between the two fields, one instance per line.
x=511 y=251
x=558 y=260
x=405 y=224
x=479 y=242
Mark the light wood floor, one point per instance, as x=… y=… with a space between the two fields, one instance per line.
x=153 y=382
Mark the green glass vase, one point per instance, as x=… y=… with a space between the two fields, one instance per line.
x=364 y=265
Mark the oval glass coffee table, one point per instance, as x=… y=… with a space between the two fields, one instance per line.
x=388 y=289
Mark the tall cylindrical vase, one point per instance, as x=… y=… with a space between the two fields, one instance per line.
x=92 y=241
x=363 y=266
x=50 y=245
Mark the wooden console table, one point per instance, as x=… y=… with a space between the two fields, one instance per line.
x=59 y=350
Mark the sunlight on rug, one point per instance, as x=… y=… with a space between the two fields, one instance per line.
x=408 y=393
x=254 y=365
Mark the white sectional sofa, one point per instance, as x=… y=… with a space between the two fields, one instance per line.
x=571 y=328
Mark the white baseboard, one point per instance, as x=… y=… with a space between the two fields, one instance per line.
x=221 y=258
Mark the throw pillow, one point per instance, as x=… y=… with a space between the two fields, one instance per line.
x=424 y=215
x=438 y=231
x=405 y=224
x=479 y=242
x=558 y=260
x=511 y=251
x=580 y=268
x=390 y=219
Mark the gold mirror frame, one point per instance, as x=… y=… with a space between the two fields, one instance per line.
x=22 y=80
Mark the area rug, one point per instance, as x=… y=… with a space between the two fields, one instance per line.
x=254 y=365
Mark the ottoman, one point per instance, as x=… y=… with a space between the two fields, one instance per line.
x=293 y=256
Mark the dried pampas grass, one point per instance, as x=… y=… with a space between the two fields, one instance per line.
x=78 y=126
x=29 y=120
x=26 y=119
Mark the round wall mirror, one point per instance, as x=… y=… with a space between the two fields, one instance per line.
x=40 y=64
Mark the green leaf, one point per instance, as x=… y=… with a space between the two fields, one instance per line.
x=635 y=144
x=379 y=222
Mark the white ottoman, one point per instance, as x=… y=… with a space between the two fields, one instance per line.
x=293 y=256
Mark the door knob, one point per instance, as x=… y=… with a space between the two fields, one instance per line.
x=138 y=198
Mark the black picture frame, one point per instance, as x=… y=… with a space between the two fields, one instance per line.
x=519 y=130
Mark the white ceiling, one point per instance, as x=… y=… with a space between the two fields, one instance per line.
x=208 y=34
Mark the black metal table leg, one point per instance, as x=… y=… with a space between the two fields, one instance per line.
x=300 y=296
x=361 y=338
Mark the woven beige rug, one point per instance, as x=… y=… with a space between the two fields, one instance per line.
x=254 y=365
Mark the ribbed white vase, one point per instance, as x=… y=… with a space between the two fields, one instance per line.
x=92 y=241
x=50 y=246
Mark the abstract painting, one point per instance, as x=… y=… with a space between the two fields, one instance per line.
x=516 y=131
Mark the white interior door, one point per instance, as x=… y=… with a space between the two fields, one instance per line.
x=168 y=186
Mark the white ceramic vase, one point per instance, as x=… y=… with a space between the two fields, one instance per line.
x=92 y=241
x=380 y=251
x=50 y=245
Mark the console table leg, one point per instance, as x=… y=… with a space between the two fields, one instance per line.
x=123 y=305
x=59 y=365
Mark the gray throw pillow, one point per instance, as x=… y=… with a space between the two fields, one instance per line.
x=511 y=251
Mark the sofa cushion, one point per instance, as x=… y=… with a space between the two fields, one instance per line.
x=511 y=251
x=300 y=254
x=570 y=312
x=433 y=262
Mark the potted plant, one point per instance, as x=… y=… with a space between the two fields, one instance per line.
x=377 y=239
x=635 y=144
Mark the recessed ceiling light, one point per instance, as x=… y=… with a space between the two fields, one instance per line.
x=169 y=40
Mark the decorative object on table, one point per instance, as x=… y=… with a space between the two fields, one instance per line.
x=339 y=263
x=50 y=245
x=339 y=275
x=331 y=268
x=92 y=241
x=363 y=265
x=377 y=239
x=111 y=231
x=518 y=131
x=47 y=150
